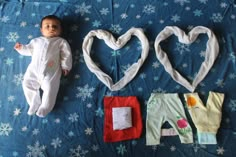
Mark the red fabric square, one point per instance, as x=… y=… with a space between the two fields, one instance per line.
x=135 y=131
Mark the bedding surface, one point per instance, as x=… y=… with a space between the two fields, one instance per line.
x=76 y=125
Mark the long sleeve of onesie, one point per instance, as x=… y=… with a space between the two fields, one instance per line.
x=206 y=118
x=27 y=50
x=66 y=58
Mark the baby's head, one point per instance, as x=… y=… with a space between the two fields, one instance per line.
x=50 y=26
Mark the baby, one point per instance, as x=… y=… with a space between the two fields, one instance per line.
x=51 y=56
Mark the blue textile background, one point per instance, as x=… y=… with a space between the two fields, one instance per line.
x=75 y=126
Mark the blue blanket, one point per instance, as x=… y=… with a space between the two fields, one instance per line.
x=75 y=127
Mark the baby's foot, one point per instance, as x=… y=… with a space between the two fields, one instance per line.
x=32 y=110
x=42 y=112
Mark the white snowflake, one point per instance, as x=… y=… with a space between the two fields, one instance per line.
x=125 y=67
x=23 y=24
x=143 y=75
x=85 y=92
x=232 y=76
x=78 y=152
x=2 y=49
x=95 y=148
x=18 y=79
x=149 y=9
x=5 y=129
x=35 y=132
x=217 y=17
x=74 y=28
x=56 y=142
x=202 y=53
x=124 y=16
x=181 y=48
x=4 y=19
x=223 y=5
x=175 y=18
x=88 y=131
x=104 y=11
x=220 y=151
x=73 y=117
x=24 y=128
x=17 y=112
x=36 y=4
x=11 y=98
x=83 y=9
x=121 y=149
x=115 y=28
x=57 y=120
x=9 y=61
x=232 y=105
x=220 y=83
x=99 y=112
x=36 y=150
x=203 y=1
x=182 y=2
x=12 y=36
x=156 y=64
x=172 y=148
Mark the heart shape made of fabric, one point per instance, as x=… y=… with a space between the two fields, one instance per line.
x=108 y=38
x=212 y=51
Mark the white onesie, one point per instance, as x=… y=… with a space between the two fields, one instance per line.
x=49 y=57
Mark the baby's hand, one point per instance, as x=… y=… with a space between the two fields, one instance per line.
x=65 y=72
x=18 y=46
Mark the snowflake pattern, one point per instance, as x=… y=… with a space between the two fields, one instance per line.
x=83 y=9
x=121 y=149
x=5 y=129
x=56 y=142
x=149 y=9
x=181 y=2
x=232 y=105
x=78 y=152
x=181 y=48
x=18 y=79
x=85 y=92
x=36 y=150
x=12 y=37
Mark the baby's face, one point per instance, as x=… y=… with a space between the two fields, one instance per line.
x=51 y=28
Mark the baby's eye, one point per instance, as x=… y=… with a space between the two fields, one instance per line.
x=54 y=26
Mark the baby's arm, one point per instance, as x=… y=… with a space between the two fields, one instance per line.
x=66 y=58
x=25 y=50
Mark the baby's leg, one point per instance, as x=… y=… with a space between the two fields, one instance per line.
x=50 y=90
x=31 y=90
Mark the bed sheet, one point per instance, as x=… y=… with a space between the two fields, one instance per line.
x=75 y=127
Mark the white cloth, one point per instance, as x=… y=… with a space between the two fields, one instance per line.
x=121 y=118
x=212 y=50
x=115 y=45
x=49 y=57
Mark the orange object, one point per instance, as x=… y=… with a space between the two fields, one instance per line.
x=191 y=101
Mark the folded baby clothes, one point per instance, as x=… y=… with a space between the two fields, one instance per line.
x=206 y=118
x=123 y=120
x=166 y=107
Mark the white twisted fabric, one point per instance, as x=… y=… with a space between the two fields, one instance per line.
x=115 y=45
x=212 y=50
